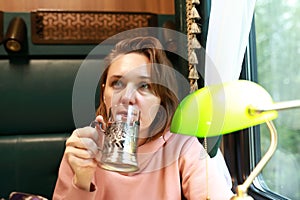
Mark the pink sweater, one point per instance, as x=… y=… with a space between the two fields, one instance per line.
x=169 y=166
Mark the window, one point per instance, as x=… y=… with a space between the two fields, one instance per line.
x=277 y=27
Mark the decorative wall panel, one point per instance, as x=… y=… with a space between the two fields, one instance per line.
x=84 y=27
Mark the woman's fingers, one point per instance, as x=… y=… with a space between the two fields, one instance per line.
x=79 y=157
x=84 y=138
x=100 y=120
x=87 y=132
x=80 y=153
x=82 y=147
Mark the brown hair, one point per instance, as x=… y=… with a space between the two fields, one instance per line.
x=162 y=75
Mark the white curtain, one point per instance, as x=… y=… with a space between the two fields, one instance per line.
x=228 y=32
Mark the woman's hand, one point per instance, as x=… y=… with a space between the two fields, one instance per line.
x=82 y=153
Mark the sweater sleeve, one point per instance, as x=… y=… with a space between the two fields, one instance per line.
x=65 y=189
x=200 y=176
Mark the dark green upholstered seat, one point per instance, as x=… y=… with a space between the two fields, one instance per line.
x=29 y=163
x=35 y=120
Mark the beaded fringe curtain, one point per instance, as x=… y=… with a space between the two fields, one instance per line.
x=193 y=28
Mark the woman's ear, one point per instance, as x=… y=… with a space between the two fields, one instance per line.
x=103 y=88
x=103 y=97
x=104 y=100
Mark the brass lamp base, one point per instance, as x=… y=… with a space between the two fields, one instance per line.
x=241 y=194
x=242 y=198
x=241 y=190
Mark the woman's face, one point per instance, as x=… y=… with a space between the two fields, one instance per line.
x=129 y=82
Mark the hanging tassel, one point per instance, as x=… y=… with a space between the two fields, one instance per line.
x=197 y=2
x=193 y=86
x=195 y=28
x=194 y=13
x=193 y=58
x=193 y=74
x=195 y=44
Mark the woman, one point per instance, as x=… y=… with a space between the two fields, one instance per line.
x=170 y=166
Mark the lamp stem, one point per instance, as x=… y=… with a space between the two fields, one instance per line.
x=266 y=157
x=242 y=189
x=279 y=106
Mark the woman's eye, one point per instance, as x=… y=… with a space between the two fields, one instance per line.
x=117 y=84
x=144 y=86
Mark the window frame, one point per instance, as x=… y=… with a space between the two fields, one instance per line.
x=242 y=149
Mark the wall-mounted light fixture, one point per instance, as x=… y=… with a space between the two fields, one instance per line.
x=16 y=36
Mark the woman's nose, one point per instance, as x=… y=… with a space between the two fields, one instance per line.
x=128 y=95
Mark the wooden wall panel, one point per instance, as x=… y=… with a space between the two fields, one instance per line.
x=153 y=6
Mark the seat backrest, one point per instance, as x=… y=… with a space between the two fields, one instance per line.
x=35 y=120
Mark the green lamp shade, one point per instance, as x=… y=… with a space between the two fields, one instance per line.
x=221 y=109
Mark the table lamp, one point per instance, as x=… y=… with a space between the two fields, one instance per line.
x=225 y=108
